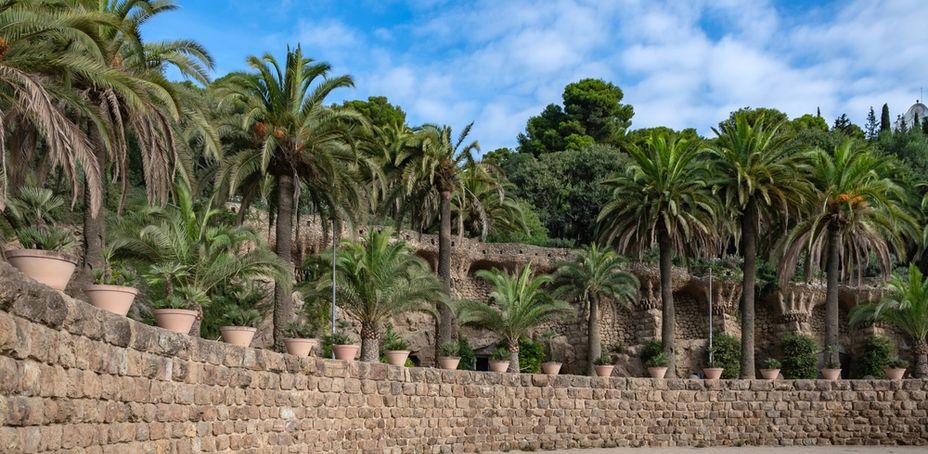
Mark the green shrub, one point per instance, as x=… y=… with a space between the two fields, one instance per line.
x=604 y=360
x=658 y=360
x=897 y=363
x=875 y=355
x=500 y=354
x=799 y=359
x=531 y=355
x=651 y=349
x=772 y=363
x=467 y=355
x=726 y=353
x=449 y=349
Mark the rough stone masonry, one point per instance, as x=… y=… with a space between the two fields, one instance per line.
x=77 y=379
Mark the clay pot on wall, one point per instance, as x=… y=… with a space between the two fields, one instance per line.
x=346 y=352
x=300 y=346
x=603 y=371
x=551 y=367
x=113 y=298
x=448 y=362
x=499 y=365
x=894 y=373
x=713 y=373
x=770 y=374
x=396 y=357
x=53 y=269
x=831 y=374
x=176 y=320
x=657 y=372
x=238 y=335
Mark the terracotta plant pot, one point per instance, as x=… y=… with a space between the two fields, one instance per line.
x=238 y=335
x=831 y=374
x=499 y=366
x=448 y=362
x=346 y=352
x=770 y=374
x=894 y=373
x=396 y=357
x=712 y=373
x=603 y=371
x=53 y=269
x=657 y=372
x=114 y=298
x=551 y=367
x=300 y=346
x=176 y=320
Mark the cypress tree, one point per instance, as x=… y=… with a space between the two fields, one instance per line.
x=872 y=126
x=925 y=125
x=885 y=124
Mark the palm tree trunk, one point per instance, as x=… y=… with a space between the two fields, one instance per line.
x=668 y=320
x=594 y=343
x=94 y=225
x=370 y=343
x=445 y=331
x=283 y=248
x=513 y=357
x=749 y=249
x=920 y=351
x=831 y=296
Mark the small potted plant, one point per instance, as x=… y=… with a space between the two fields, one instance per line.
x=300 y=340
x=111 y=292
x=449 y=356
x=832 y=369
x=771 y=369
x=657 y=365
x=895 y=368
x=603 y=366
x=240 y=324
x=499 y=360
x=395 y=348
x=174 y=313
x=550 y=367
x=43 y=254
x=342 y=346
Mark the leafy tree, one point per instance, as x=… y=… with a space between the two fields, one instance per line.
x=760 y=114
x=872 y=128
x=378 y=279
x=843 y=125
x=663 y=197
x=592 y=113
x=760 y=178
x=906 y=310
x=594 y=276
x=885 y=122
x=378 y=111
x=522 y=304
x=856 y=214
x=809 y=122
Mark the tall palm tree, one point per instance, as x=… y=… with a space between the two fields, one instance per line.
x=663 y=197
x=522 y=304
x=298 y=138
x=482 y=205
x=856 y=214
x=761 y=178
x=437 y=166
x=594 y=275
x=377 y=279
x=906 y=310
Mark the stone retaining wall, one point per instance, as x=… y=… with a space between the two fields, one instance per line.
x=78 y=379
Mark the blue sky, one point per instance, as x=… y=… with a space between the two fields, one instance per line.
x=680 y=64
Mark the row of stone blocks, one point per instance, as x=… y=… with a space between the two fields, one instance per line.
x=77 y=379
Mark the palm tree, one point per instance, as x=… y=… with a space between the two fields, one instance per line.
x=760 y=177
x=663 y=197
x=437 y=166
x=298 y=138
x=522 y=305
x=378 y=279
x=596 y=274
x=191 y=256
x=906 y=310
x=482 y=205
x=855 y=216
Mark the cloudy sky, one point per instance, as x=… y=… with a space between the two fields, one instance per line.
x=680 y=64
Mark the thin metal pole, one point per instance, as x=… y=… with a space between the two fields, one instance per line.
x=334 y=245
x=711 y=359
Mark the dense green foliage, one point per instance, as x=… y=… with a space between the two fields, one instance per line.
x=799 y=357
x=531 y=355
x=726 y=353
x=875 y=355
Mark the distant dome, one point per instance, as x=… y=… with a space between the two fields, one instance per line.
x=919 y=111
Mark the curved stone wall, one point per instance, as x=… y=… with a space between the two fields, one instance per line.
x=77 y=379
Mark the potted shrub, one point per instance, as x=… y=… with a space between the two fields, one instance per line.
x=300 y=340
x=174 y=313
x=110 y=291
x=240 y=325
x=550 y=367
x=342 y=346
x=657 y=365
x=499 y=360
x=771 y=369
x=43 y=255
x=832 y=369
x=603 y=366
x=712 y=372
x=448 y=357
x=895 y=368
x=395 y=348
